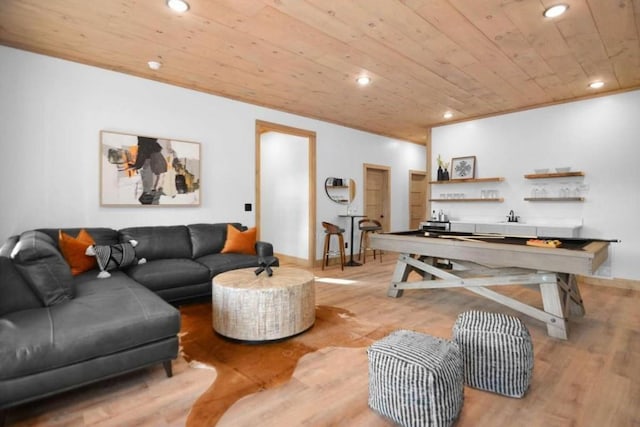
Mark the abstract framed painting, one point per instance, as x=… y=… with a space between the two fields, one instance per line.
x=463 y=167
x=140 y=170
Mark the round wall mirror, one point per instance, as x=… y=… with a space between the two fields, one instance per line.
x=340 y=190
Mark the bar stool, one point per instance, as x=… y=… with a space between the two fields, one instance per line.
x=367 y=226
x=332 y=230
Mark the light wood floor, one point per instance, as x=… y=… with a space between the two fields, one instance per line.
x=593 y=379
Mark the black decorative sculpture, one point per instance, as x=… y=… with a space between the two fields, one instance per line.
x=265 y=264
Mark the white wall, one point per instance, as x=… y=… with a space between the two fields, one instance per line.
x=51 y=113
x=598 y=136
x=356 y=149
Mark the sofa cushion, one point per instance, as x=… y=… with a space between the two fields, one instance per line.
x=219 y=263
x=240 y=242
x=73 y=250
x=209 y=239
x=42 y=265
x=159 y=242
x=169 y=273
x=106 y=317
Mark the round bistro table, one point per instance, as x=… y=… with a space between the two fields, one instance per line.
x=262 y=308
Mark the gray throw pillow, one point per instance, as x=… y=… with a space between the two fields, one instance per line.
x=15 y=292
x=43 y=267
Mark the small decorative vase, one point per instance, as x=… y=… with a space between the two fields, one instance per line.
x=440 y=174
x=445 y=175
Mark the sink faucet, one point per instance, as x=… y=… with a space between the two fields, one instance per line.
x=512 y=216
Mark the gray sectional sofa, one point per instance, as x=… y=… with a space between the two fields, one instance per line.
x=59 y=331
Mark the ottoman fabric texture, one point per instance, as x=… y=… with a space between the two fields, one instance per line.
x=416 y=379
x=496 y=350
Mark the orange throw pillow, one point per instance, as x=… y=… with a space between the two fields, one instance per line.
x=73 y=250
x=240 y=242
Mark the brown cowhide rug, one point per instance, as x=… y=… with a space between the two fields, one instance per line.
x=246 y=368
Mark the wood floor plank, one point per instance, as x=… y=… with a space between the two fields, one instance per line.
x=589 y=380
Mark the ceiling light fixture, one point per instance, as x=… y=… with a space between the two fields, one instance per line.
x=154 y=65
x=555 y=11
x=363 y=80
x=179 y=6
x=447 y=115
x=596 y=85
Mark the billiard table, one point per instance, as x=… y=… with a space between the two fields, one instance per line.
x=474 y=262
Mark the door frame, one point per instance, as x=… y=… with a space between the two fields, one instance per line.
x=264 y=127
x=387 y=197
x=426 y=187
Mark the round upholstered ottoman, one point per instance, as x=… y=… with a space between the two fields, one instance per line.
x=496 y=350
x=415 y=379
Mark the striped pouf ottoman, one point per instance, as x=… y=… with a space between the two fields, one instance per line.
x=497 y=352
x=415 y=379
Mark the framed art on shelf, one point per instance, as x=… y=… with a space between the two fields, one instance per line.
x=140 y=170
x=463 y=167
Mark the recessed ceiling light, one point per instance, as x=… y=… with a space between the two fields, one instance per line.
x=596 y=85
x=447 y=115
x=555 y=11
x=179 y=6
x=154 y=65
x=363 y=80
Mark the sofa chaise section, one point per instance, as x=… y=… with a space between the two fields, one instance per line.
x=112 y=326
x=108 y=327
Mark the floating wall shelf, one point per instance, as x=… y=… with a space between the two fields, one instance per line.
x=498 y=200
x=554 y=199
x=463 y=181
x=553 y=175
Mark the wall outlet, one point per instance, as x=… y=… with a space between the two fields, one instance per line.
x=346 y=245
x=247 y=207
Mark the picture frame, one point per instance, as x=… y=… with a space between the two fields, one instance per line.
x=463 y=167
x=144 y=171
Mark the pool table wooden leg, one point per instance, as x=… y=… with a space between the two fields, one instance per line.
x=552 y=302
x=571 y=294
x=400 y=274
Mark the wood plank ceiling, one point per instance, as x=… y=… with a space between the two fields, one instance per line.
x=471 y=57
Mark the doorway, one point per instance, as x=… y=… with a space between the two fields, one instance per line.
x=286 y=191
x=377 y=194
x=417 y=198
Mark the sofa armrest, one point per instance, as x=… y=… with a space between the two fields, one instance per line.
x=264 y=249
